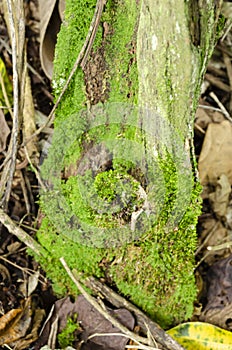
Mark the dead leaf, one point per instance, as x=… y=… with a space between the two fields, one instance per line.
x=32 y=336
x=5 y=131
x=216 y=154
x=202 y=119
x=213 y=234
x=50 y=20
x=219 y=296
x=29 y=126
x=32 y=282
x=5 y=275
x=63 y=308
x=227 y=9
x=220 y=198
x=91 y=322
x=6 y=319
x=229 y=215
x=217 y=117
x=14 y=247
x=15 y=324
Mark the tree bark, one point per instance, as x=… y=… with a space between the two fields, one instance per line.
x=124 y=193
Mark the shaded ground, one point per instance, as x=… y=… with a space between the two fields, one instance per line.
x=25 y=291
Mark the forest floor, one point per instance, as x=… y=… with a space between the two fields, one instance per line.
x=26 y=296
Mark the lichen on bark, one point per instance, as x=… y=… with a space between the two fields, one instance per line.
x=131 y=124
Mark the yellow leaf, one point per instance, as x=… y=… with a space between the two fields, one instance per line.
x=5 y=87
x=201 y=336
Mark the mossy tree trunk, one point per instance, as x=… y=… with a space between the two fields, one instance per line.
x=124 y=197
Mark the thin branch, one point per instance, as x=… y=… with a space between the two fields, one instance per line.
x=10 y=169
x=97 y=15
x=18 y=232
x=224 y=111
x=139 y=346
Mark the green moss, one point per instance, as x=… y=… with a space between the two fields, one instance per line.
x=67 y=336
x=120 y=54
x=89 y=215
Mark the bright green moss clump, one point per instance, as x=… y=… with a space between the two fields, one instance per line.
x=118 y=205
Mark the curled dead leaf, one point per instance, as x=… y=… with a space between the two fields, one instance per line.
x=51 y=15
x=29 y=126
x=17 y=325
x=220 y=198
x=216 y=154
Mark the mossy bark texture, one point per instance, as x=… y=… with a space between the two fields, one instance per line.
x=123 y=196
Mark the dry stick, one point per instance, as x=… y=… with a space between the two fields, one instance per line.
x=14 y=133
x=50 y=117
x=37 y=174
x=224 y=111
x=95 y=304
x=18 y=232
x=94 y=32
x=138 y=346
x=142 y=319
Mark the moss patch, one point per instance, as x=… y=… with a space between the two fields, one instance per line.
x=123 y=203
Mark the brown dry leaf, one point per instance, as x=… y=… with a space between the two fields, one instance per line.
x=217 y=117
x=202 y=119
x=227 y=9
x=5 y=275
x=5 y=131
x=33 y=334
x=220 y=198
x=15 y=326
x=63 y=308
x=91 y=321
x=216 y=154
x=213 y=234
x=6 y=319
x=29 y=126
x=51 y=14
x=32 y=282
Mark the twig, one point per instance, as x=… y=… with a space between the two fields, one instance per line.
x=225 y=245
x=18 y=232
x=210 y=233
x=143 y=320
x=30 y=272
x=35 y=170
x=24 y=190
x=10 y=168
x=99 y=9
x=226 y=114
x=86 y=47
x=95 y=304
x=139 y=346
